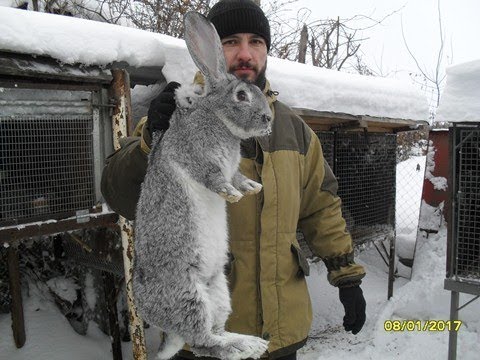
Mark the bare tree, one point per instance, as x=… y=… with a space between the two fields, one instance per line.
x=431 y=80
x=162 y=16
x=100 y=10
x=165 y=17
x=330 y=43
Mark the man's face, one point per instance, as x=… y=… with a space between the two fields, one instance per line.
x=245 y=55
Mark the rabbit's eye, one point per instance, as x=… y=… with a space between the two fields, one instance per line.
x=242 y=96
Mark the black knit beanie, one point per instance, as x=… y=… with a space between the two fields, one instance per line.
x=239 y=16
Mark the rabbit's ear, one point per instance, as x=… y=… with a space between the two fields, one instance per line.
x=204 y=46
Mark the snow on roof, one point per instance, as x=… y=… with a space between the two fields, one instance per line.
x=321 y=89
x=74 y=40
x=460 y=100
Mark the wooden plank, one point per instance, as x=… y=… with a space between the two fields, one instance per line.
x=15 y=233
x=18 y=323
x=41 y=67
x=325 y=121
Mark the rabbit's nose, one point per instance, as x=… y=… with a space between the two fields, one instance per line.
x=266 y=118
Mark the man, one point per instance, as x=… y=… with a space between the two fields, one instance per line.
x=267 y=271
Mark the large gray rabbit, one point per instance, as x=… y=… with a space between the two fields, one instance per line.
x=181 y=237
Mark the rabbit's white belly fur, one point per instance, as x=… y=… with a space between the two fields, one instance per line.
x=210 y=220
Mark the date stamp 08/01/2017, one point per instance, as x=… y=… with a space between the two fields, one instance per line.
x=422 y=325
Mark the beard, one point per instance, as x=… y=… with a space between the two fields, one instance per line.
x=260 y=77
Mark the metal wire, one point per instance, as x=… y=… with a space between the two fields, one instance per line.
x=46 y=166
x=468 y=200
x=110 y=261
x=365 y=167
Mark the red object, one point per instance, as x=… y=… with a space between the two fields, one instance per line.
x=438 y=142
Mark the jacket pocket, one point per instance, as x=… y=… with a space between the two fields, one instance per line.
x=303 y=266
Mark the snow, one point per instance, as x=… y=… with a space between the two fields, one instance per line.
x=65 y=288
x=304 y=86
x=50 y=337
x=460 y=101
x=345 y=93
x=79 y=40
x=49 y=334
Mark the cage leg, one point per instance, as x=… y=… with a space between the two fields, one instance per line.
x=137 y=332
x=121 y=124
x=111 y=301
x=105 y=240
x=18 y=323
x=452 y=336
x=391 y=266
x=380 y=253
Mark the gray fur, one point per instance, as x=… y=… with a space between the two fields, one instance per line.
x=181 y=239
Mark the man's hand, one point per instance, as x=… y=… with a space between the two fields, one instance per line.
x=354 y=304
x=161 y=109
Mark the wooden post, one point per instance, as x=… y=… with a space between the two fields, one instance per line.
x=122 y=124
x=391 y=266
x=452 y=336
x=302 y=46
x=104 y=241
x=111 y=302
x=18 y=323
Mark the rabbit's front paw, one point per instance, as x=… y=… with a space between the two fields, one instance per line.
x=250 y=187
x=229 y=193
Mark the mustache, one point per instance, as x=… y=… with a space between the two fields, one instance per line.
x=243 y=65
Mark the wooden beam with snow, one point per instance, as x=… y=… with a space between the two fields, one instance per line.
x=327 y=121
x=42 y=67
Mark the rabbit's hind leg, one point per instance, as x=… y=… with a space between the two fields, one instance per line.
x=234 y=346
x=220 y=298
x=170 y=345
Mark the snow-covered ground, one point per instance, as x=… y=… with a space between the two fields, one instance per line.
x=422 y=298
x=50 y=336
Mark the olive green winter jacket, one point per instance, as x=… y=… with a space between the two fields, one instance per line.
x=267 y=271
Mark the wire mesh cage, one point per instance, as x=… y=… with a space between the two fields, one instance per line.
x=465 y=240
x=365 y=167
x=47 y=167
x=50 y=153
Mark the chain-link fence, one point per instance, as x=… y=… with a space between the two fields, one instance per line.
x=412 y=148
x=380 y=178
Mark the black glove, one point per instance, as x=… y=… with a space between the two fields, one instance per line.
x=354 y=304
x=161 y=109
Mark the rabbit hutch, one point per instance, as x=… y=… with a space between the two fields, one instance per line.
x=56 y=131
x=64 y=106
x=459 y=107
